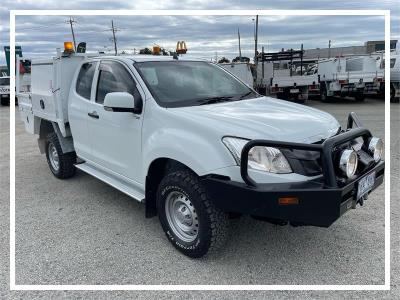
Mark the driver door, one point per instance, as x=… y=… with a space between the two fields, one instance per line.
x=115 y=137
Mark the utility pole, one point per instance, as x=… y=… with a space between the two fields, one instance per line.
x=255 y=41
x=240 y=49
x=71 y=22
x=329 y=49
x=114 y=38
x=301 y=60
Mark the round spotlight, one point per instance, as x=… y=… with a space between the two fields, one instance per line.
x=348 y=162
x=375 y=147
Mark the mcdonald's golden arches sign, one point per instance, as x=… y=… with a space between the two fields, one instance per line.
x=181 y=47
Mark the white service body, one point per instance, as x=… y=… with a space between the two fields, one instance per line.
x=241 y=71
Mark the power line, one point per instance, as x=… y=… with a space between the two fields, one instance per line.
x=38 y=27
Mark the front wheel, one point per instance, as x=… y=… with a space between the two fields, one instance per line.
x=188 y=217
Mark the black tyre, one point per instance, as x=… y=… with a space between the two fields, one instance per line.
x=188 y=217
x=359 y=97
x=393 y=99
x=279 y=96
x=5 y=101
x=324 y=94
x=61 y=164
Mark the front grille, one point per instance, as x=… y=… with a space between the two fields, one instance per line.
x=308 y=163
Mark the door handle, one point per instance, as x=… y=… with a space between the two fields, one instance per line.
x=93 y=114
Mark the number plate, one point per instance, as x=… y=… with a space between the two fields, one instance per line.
x=365 y=185
x=293 y=91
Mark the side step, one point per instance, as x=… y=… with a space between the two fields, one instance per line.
x=111 y=180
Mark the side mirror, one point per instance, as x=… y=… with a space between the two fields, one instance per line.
x=120 y=102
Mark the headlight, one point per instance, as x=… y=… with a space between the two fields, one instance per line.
x=261 y=158
x=375 y=147
x=348 y=162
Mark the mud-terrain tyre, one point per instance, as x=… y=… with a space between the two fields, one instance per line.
x=188 y=217
x=61 y=164
x=5 y=102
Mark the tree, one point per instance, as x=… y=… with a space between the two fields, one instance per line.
x=145 y=51
x=223 y=60
x=244 y=59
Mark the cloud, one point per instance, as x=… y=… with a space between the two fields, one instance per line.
x=205 y=35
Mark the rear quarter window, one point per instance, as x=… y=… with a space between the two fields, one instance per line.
x=85 y=79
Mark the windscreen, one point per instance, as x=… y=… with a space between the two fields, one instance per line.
x=189 y=83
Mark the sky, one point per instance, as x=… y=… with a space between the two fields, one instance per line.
x=205 y=36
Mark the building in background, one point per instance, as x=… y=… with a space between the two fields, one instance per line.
x=368 y=48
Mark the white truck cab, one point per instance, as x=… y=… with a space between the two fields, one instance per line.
x=196 y=144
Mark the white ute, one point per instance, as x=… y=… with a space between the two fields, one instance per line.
x=196 y=144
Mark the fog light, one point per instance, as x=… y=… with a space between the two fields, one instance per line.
x=348 y=162
x=375 y=147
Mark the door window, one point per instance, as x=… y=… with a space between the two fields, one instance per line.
x=85 y=79
x=114 y=77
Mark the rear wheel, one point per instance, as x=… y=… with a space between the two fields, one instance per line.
x=324 y=94
x=61 y=164
x=393 y=99
x=5 y=101
x=279 y=96
x=188 y=217
x=360 y=97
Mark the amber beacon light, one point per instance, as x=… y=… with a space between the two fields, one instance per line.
x=68 y=47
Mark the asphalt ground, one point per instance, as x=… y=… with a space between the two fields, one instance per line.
x=82 y=231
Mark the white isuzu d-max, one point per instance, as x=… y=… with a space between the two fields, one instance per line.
x=196 y=144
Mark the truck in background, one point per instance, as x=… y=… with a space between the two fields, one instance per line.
x=5 y=90
x=298 y=87
x=348 y=76
x=241 y=70
x=395 y=77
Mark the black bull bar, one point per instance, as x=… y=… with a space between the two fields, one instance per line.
x=320 y=201
x=325 y=149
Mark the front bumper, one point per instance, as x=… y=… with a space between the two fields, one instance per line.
x=319 y=202
x=317 y=205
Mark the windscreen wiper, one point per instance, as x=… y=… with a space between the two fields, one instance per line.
x=217 y=99
x=245 y=95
